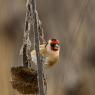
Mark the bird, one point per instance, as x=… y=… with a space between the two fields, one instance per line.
x=49 y=52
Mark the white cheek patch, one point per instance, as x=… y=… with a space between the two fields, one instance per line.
x=49 y=49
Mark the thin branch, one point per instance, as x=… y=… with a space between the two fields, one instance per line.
x=26 y=40
x=33 y=19
x=40 y=29
x=24 y=77
x=37 y=43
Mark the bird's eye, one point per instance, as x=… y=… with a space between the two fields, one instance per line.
x=52 y=44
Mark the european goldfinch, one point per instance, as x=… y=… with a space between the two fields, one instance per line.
x=49 y=52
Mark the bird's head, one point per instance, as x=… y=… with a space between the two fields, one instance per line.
x=53 y=44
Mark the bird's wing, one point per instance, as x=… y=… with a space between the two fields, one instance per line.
x=42 y=52
x=42 y=48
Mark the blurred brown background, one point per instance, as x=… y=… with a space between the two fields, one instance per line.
x=70 y=21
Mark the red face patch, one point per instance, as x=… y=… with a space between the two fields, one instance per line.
x=55 y=42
